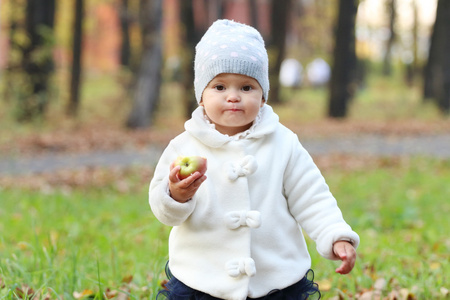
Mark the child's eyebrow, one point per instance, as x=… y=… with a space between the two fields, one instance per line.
x=249 y=83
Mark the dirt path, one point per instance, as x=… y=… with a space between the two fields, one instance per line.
x=434 y=145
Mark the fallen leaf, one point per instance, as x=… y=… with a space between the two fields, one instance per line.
x=339 y=296
x=164 y=283
x=407 y=294
x=393 y=295
x=370 y=295
x=22 y=246
x=324 y=285
x=380 y=284
x=435 y=266
x=83 y=294
x=109 y=294
x=123 y=294
x=127 y=279
x=24 y=292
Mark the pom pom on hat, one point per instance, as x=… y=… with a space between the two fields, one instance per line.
x=230 y=47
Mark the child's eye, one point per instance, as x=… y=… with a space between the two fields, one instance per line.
x=246 y=88
x=219 y=87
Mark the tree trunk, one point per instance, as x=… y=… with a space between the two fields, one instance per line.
x=277 y=45
x=433 y=55
x=443 y=83
x=77 y=49
x=415 y=56
x=254 y=13
x=191 y=36
x=387 y=63
x=215 y=10
x=437 y=70
x=149 y=77
x=37 y=61
x=12 y=65
x=342 y=83
x=125 y=48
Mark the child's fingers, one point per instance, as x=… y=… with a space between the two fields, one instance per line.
x=341 y=253
x=191 y=182
x=345 y=252
x=194 y=180
x=344 y=268
x=199 y=181
x=346 y=265
x=173 y=174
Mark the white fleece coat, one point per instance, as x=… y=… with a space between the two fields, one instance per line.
x=240 y=236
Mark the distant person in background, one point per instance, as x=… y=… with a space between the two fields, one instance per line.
x=318 y=72
x=291 y=73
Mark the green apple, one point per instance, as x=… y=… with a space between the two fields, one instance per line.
x=189 y=165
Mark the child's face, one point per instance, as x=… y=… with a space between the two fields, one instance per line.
x=232 y=102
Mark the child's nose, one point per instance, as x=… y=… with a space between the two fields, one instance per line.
x=233 y=96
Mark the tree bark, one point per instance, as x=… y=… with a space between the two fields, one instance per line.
x=437 y=70
x=254 y=13
x=443 y=84
x=387 y=61
x=215 y=10
x=13 y=64
x=77 y=49
x=191 y=36
x=277 y=45
x=342 y=83
x=125 y=48
x=149 y=76
x=37 y=59
x=415 y=56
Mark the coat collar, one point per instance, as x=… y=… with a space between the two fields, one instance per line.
x=198 y=127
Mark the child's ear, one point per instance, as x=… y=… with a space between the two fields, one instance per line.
x=263 y=101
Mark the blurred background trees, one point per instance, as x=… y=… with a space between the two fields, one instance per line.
x=30 y=64
x=145 y=44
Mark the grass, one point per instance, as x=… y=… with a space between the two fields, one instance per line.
x=99 y=239
x=401 y=213
x=63 y=242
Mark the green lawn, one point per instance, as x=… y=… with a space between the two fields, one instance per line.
x=401 y=211
x=61 y=242
x=87 y=239
x=102 y=239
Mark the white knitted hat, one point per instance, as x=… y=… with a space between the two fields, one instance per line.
x=230 y=47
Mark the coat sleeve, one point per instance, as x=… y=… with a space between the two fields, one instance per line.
x=165 y=208
x=312 y=204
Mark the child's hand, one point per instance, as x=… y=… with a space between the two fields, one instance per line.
x=347 y=253
x=184 y=190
